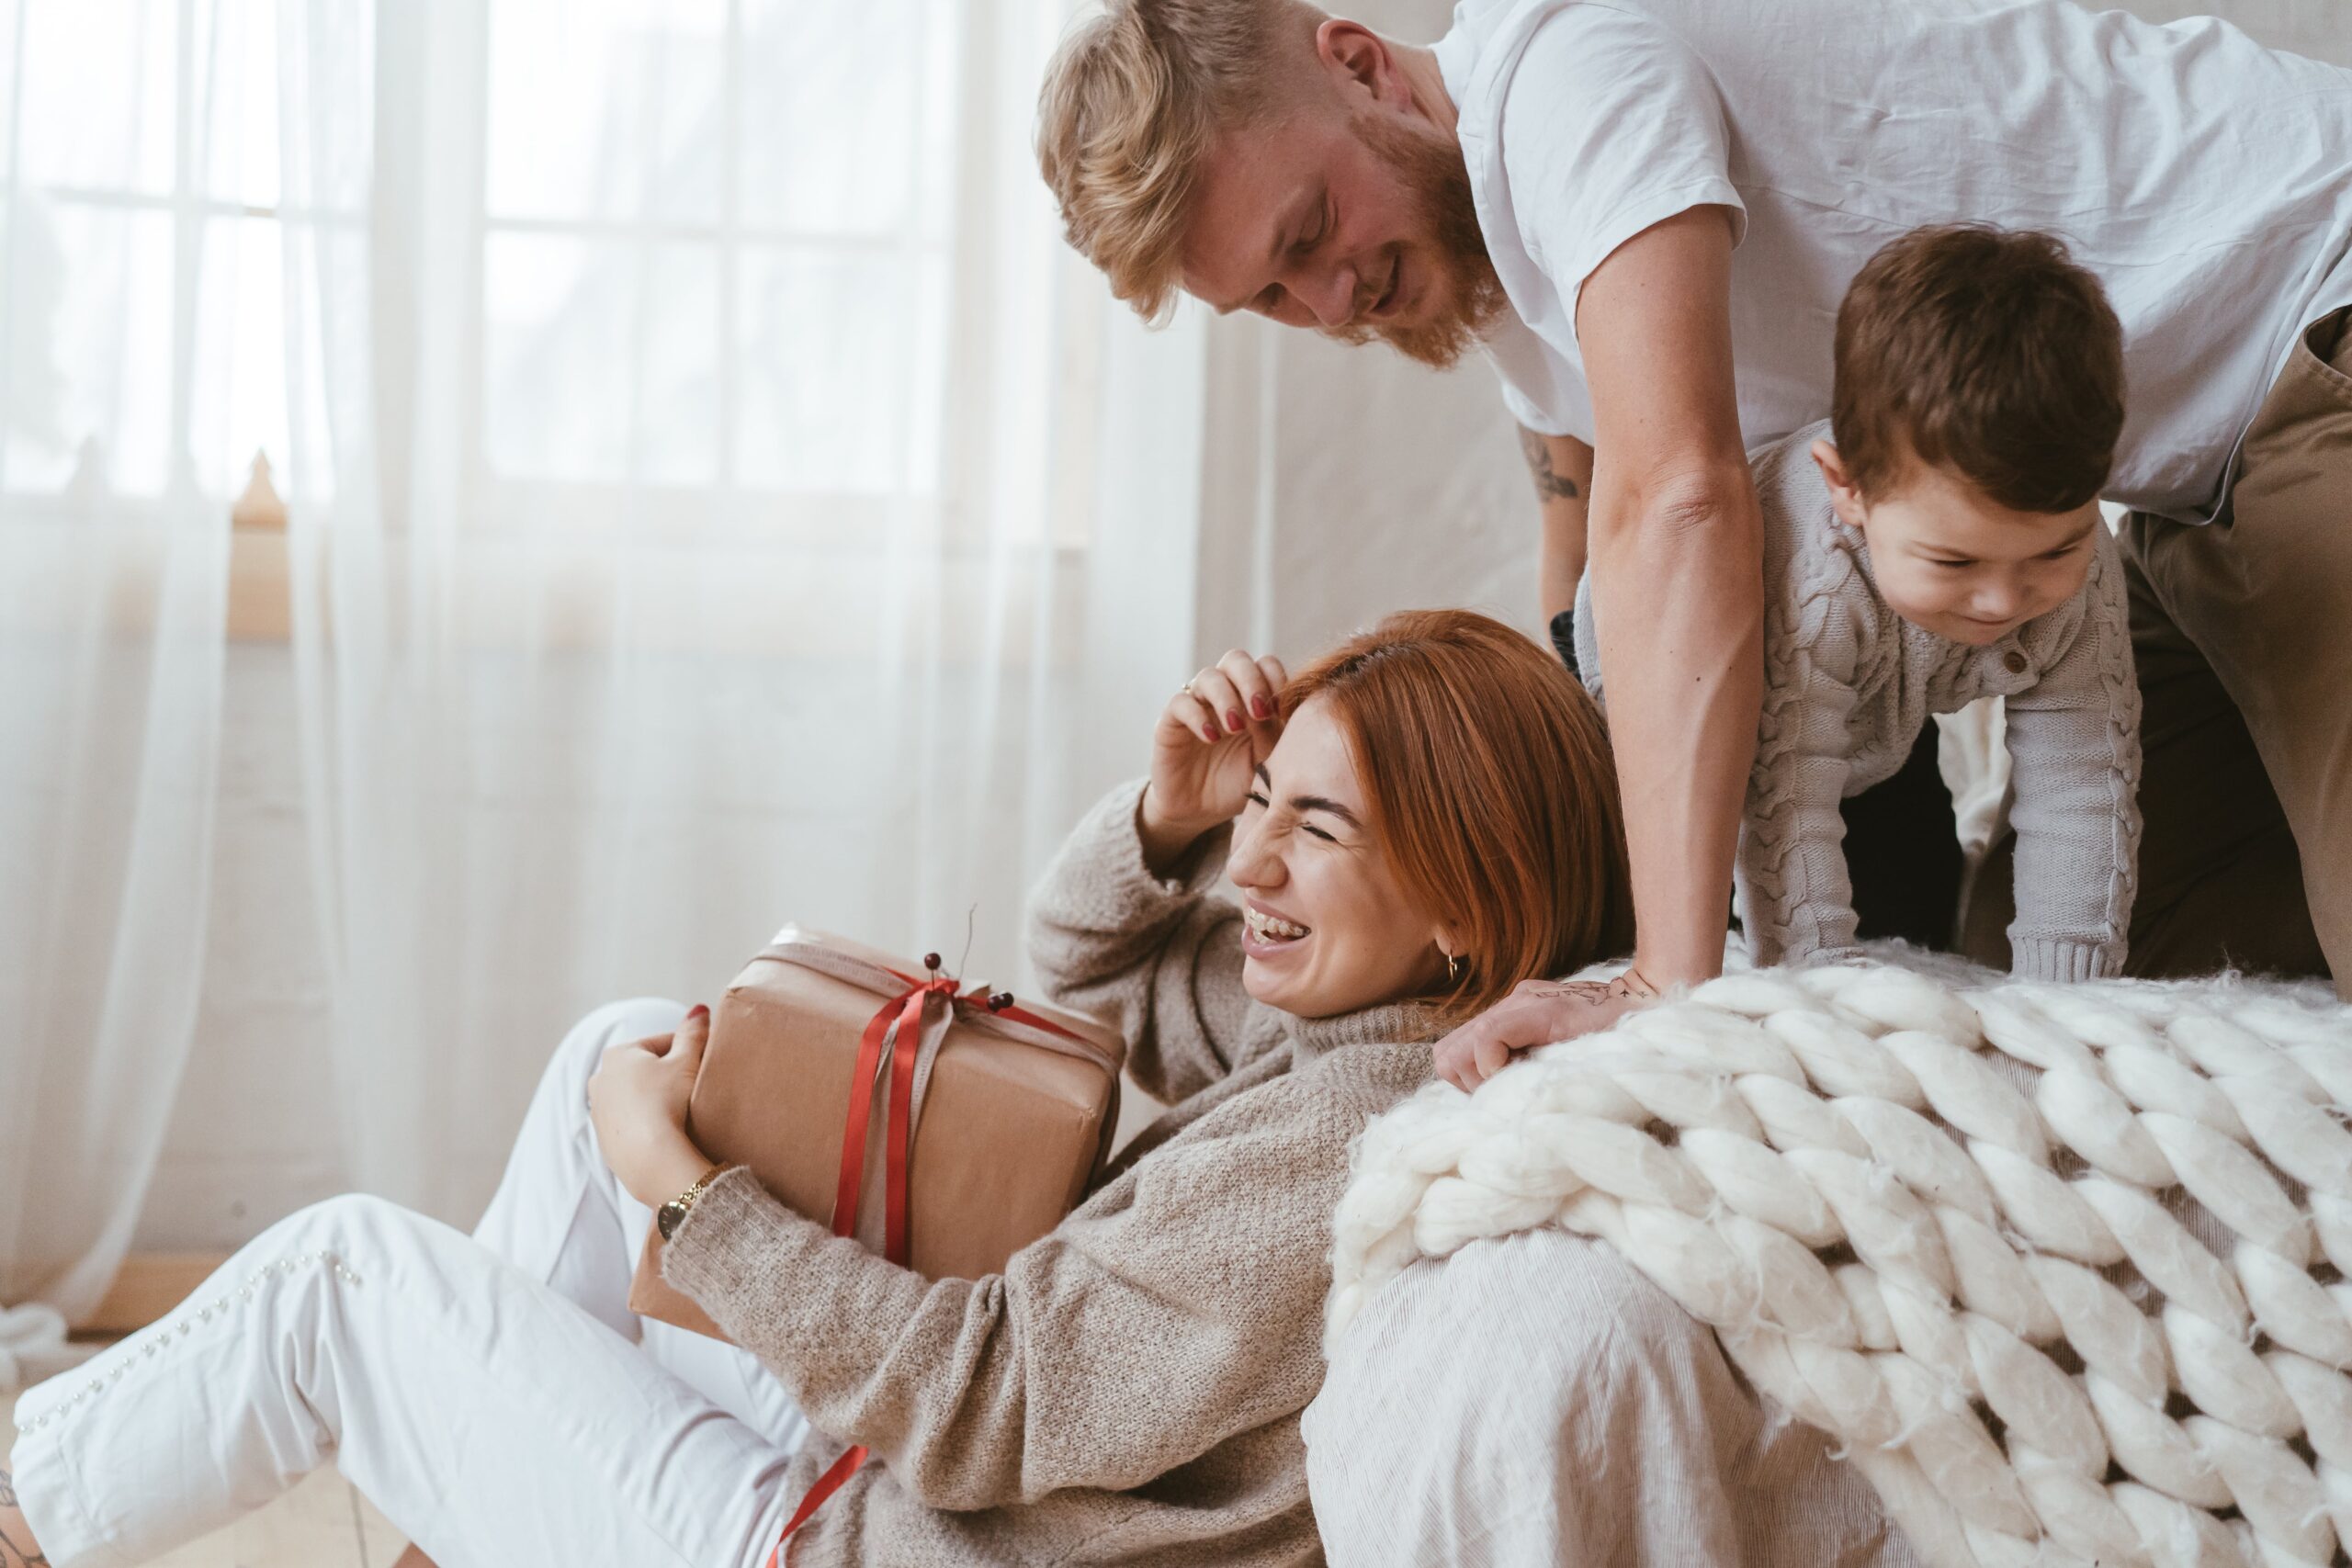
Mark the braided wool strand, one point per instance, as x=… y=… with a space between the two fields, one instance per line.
x=1959 y=1232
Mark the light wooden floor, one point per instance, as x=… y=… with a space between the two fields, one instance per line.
x=322 y=1523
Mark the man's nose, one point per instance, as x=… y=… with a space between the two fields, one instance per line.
x=1329 y=291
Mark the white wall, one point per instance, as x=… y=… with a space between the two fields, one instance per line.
x=1342 y=483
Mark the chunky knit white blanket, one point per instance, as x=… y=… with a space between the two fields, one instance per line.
x=1959 y=1228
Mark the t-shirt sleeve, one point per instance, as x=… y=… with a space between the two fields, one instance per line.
x=1544 y=422
x=1611 y=124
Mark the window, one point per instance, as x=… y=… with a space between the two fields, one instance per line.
x=145 y=329
x=715 y=245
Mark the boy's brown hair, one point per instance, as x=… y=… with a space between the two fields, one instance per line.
x=1985 y=352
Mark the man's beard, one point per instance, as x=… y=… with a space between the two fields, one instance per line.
x=1438 y=182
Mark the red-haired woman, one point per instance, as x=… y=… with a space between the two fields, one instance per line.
x=1420 y=822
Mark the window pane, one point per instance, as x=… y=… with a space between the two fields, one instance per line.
x=602 y=359
x=841 y=357
x=237 y=39
x=239 y=404
x=100 y=84
x=91 y=359
x=846 y=121
x=606 y=109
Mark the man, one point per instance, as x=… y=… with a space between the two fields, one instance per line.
x=1646 y=212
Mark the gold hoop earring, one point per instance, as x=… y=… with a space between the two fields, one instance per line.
x=1453 y=968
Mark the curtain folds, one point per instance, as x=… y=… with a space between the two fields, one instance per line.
x=705 y=535
x=716 y=498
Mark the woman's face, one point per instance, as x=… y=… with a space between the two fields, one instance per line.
x=1327 y=928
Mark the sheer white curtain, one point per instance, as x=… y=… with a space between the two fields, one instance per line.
x=712 y=515
x=123 y=293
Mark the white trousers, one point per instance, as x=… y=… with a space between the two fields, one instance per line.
x=493 y=1396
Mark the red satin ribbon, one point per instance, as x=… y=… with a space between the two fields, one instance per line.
x=906 y=1010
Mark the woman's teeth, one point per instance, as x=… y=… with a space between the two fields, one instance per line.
x=1270 y=928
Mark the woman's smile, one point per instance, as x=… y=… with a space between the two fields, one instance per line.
x=1266 y=934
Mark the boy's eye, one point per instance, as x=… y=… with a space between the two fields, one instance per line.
x=1255 y=799
x=1950 y=564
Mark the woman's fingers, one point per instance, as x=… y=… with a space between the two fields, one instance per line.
x=1249 y=684
x=694 y=1034
x=1191 y=713
x=1215 y=688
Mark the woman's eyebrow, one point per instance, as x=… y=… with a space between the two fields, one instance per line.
x=1312 y=802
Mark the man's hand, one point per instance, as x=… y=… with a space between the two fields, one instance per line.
x=1537 y=1013
x=637 y=1101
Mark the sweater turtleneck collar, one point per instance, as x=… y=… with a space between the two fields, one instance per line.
x=1392 y=1023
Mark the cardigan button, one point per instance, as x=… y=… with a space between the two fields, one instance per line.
x=2014 y=662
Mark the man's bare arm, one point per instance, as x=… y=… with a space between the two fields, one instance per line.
x=1562 y=466
x=1677 y=562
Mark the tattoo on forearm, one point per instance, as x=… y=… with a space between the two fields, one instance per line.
x=11 y=1554
x=1549 y=486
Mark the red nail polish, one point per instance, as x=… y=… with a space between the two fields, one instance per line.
x=1261 y=708
x=698 y=1011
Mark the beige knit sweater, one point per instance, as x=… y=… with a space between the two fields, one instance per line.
x=1128 y=1389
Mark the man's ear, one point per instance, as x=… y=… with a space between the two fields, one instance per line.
x=1361 y=60
x=1843 y=496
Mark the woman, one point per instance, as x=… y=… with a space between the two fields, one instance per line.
x=1416 y=824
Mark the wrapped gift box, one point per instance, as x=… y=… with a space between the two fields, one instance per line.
x=1010 y=1107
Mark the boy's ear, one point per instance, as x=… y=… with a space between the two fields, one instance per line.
x=1843 y=496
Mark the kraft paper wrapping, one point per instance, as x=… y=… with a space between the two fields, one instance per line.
x=1010 y=1122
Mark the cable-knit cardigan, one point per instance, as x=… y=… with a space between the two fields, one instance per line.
x=1128 y=1389
x=1848 y=686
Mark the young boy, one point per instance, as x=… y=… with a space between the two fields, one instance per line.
x=1937 y=540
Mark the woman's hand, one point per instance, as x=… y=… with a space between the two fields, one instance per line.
x=1537 y=1013
x=637 y=1101
x=1206 y=752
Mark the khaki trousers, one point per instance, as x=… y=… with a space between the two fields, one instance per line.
x=2241 y=631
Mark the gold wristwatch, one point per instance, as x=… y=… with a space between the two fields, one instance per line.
x=672 y=1214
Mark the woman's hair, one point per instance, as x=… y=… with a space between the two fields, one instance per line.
x=1131 y=103
x=1491 y=789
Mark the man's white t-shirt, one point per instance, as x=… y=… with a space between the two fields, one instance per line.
x=2205 y=180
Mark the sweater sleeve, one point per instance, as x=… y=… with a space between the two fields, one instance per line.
x=1795 y=896
x=1178 y=1307
x=1159 y=959
x=2074 y=739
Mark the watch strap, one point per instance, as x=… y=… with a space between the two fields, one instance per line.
x=672 y=1214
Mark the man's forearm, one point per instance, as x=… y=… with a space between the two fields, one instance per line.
x=1561 y=467
x=1678 y=594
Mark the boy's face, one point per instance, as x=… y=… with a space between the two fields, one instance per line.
x=1949 y=558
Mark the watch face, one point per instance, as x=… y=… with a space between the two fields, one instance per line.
x=666 y=1218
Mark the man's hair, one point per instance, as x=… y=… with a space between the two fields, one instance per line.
x=1984 y=352
x=1492 y=792
x=1132 y=101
